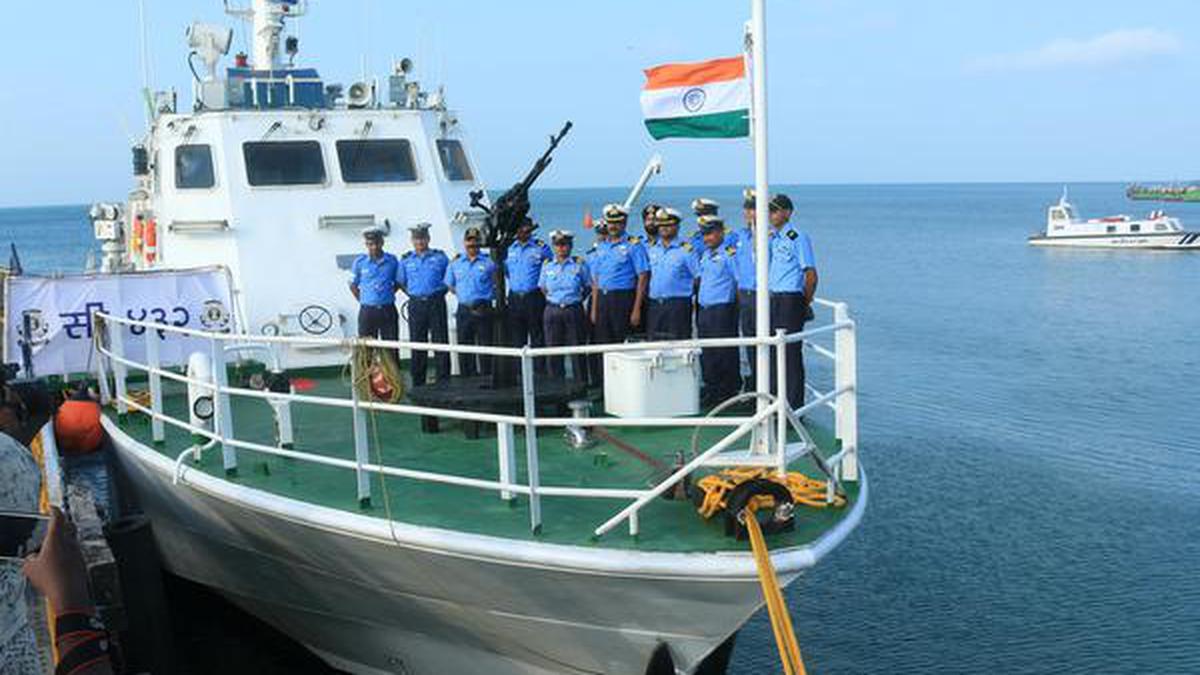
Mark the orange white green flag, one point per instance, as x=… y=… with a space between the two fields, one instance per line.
x=707 y=99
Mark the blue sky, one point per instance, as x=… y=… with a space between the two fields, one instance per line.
x=862 y=91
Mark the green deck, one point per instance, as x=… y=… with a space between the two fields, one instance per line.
x=665 y=525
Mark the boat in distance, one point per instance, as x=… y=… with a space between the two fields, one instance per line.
x=1157 y=231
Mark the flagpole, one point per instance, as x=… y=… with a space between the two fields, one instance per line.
x=762 y=195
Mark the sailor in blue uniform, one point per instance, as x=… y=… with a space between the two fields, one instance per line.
x=373 y=283
x=620 y=276
x=702 y=207
x=566 y=281
x=792 y=284
x=526 y=303
x=673 y=271
x=470 y=276
x=747 y=280
x=717 y=316
x=422 y=276
x=650 y=222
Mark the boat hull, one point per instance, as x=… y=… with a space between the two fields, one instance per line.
x=1174 y=241
x=374 y=597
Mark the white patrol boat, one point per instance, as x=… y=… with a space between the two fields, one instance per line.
x=545 y=541
x=1156 y=231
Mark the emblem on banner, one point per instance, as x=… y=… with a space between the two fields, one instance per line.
x=214 y=316
x=34 y=328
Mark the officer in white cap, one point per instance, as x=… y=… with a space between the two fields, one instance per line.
x=470 y=277
x=423 y=277
x=674 y=267
x=566 y=281
x=373 y=281
x=620 y=276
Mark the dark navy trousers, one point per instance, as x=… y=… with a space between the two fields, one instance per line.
x=428 y=322
x=790 y=311
x=474 y=328
x=747 y=311
x=525 y=322
x=719 y=365
x=564 y=326
x=669 y=319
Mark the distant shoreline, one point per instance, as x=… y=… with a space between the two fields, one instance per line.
x=710 y=186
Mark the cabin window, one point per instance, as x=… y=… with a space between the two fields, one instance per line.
x=1160 y=227
x=194 y=167
x=284 y=163
x=377 y=161
x=454 y=160
x=1135 y=228
x=1058 y=214
x=1111 y=229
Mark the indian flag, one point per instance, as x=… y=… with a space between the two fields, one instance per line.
x=709 y=99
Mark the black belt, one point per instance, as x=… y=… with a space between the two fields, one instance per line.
x=615 y=291
x=365 y=306
x=787 y=294
x=427 y=298
x=747 y=292
x=663 y=301
x=566 y=305
x=521 y=294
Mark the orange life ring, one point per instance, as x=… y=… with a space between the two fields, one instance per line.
x=77 y=428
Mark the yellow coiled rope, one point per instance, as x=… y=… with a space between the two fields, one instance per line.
x=378 y=375
x=807 y=491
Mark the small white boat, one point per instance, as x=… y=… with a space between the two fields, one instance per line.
x=1156 y=231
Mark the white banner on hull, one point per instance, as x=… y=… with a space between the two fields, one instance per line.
x=48 y=320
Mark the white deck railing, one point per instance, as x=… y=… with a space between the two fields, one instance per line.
x=776 y=453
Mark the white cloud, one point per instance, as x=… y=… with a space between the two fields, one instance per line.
x=1118 y=46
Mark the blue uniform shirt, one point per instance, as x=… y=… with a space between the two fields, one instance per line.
x=747 y=279
x=718 y=275
x=616 y=265
x=472 y=279
x=422 y=275
x=375 y=279
x=565 y=282
x=524 y=264
x=673 y=269
x=791 y=254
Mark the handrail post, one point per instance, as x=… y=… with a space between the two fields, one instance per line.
x=116 y=340
x=531 y=447
x=223 y=418
x=157 y=432
x=102 y=327
x=361 y=456
x=846 y=380
x=781 y=420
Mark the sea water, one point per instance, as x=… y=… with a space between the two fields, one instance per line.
x=1030 y=426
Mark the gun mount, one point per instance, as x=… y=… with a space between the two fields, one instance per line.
x=504 y=217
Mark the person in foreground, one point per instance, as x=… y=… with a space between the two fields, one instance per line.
x=792 y=281
x=566 y=281
x=20 y=483
x=58 y=573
